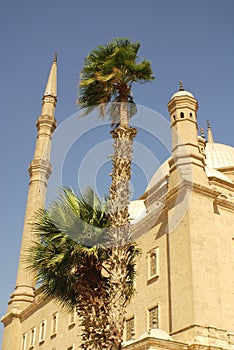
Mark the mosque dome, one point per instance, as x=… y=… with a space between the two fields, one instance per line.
x=137 y=211
x=219 y=156
x=182 y=92
x=159 y=176
x=156 y=333
x=128 y=342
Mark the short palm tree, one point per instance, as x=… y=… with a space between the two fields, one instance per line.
x=70 y=260
x=106 y=81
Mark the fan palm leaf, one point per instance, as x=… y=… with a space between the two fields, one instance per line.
x=109 y=72
x=71 y=251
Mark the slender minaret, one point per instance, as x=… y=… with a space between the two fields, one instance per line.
x=39 y=171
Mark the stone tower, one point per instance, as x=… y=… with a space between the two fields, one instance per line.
x=187 y=160
x=195 y=234
x=185 y=276
x=39 y=171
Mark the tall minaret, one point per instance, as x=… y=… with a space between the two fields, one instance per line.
x=39 y=171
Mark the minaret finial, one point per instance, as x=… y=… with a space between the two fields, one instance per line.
x=208 y=123
x=209 y=133
x=181 y=86
x=55 y=57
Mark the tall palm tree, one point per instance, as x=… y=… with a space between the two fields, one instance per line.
x=84 y=256
x=106 y=81
x=70 y=259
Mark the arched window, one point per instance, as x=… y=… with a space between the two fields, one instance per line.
x=54 y=323
x=33 y=335
x=72 y=318
x=153 y=317
x=24 y=339
x=130 y=328
x=191 y=115
x=42 y=331
x=153 y=263
x=181 y=114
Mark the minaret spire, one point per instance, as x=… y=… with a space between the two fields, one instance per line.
x=51 y=86
x=39 y=171
x=209 y=133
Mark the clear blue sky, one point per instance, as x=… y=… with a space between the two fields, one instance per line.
x=185 y=40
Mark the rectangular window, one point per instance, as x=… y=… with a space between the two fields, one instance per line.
x=130 y=328
x=54 y=323
x=42 y=331
x=153 y=317
x=24 y=341
x=32 y=337
x=153 y=263
x=72 y=318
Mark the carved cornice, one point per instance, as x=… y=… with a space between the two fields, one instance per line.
x=48 y=121
x=7 y=319
x=155 y=343
x=194 y=187
x=213 y=180
x=39 y=170
x=40 y=301
x=161 y=196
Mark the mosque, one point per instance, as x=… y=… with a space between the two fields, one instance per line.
x=184 y=225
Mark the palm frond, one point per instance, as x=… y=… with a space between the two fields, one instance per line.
x=68 y=247
x=109 y=72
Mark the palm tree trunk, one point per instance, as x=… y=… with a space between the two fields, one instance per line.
x=93 y=310
x=120 y=236
x=102 y=310
x=124 y=115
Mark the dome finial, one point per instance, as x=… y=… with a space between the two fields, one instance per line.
x=181 y=86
